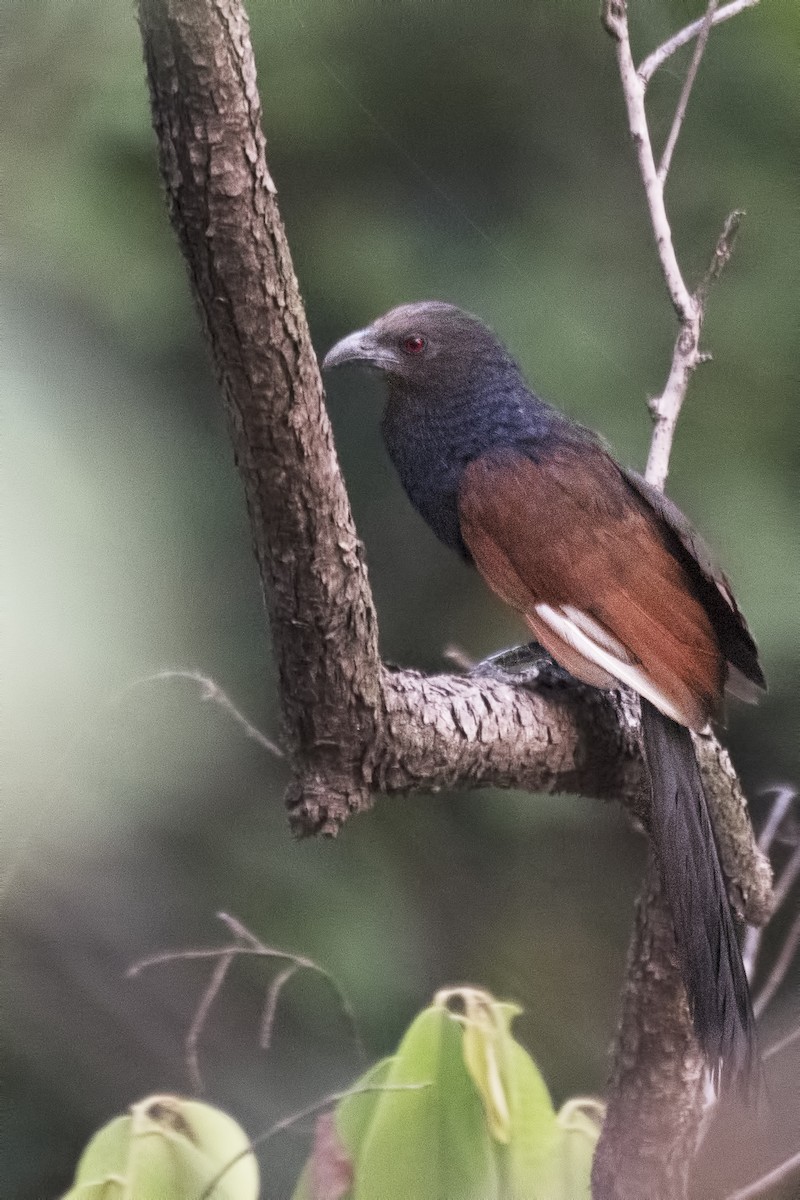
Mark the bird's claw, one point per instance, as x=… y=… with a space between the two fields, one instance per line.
x=526 y=664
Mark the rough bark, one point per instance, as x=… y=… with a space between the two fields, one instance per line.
x=652 y=1126
x=207 y=116
x=353 y=725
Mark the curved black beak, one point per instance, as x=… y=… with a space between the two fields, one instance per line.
x=361 y=347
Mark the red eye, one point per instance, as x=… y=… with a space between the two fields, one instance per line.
x=414 y=344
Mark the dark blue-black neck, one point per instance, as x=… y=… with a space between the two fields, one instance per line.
x=432 y=433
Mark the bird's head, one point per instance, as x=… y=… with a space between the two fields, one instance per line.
x=421 y=343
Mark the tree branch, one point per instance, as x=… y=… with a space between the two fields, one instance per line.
x=658 y=57
x=686 y=91
x=781 y=807
x=657 y=1084
x=690 y=308
x=761 y=1187
x=615 y=19
x=353 y=725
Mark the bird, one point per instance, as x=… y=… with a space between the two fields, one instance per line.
x=613 y=582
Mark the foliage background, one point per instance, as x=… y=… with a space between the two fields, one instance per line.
x=474 y=152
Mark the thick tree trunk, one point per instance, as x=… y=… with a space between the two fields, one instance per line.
x=656 y=1094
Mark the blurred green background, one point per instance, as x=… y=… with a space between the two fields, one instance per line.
x=474 y=152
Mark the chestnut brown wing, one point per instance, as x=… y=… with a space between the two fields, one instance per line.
x=564 y=539
x=745 y=676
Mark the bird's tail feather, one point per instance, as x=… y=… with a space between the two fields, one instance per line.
x=713 y=971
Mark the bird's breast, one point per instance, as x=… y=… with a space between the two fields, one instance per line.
x=433 y=439
x=430 y=473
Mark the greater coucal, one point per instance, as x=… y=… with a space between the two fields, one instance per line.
x=612 y=580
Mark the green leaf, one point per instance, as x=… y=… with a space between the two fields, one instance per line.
x=101 y=1167
x=167 y=1149
x=485 y=1055
x=431 y=1143
x=304 y=1184
x=519 y=1111
x=482 y=1127
x=525 y=1163
x=580 y=1121
x=354 y=1114
x=109 y=1189
x=221 y=1139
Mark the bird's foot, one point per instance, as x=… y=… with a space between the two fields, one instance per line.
x=526 y=664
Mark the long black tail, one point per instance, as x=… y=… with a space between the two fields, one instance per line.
x=694 y=884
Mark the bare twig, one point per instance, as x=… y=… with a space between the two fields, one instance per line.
x=245 y=945
x=785 y=797
x=753 y=940
x=771 y=1179
x=686 y=358
x=779 y=968
x=666 y=408
x=165 y=957
x=241 y=931
x=297 y=962
x=781 y=806
x=721 y=256
x=690 y=308
x=271 y=1005
x=334 y=1098
x=787 y=878
x=615 y=19
x=214 y=694
x=658 y=57
x=686 y=91
x=201 y=1016
x=782 y=1043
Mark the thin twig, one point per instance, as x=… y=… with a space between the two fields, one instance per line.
x=760 y=1186
x=171 y=956
x=271 y=1005
x=311 y=1111
x=241 y=931
x=787 y=878
x=300 y=962
x=686 y=357
x=779 y=968
x=615 y=19
x=686 y=91
x=781 y=805
x=245 y=945
x=784 y=799
x=211 y=691
x=658 y=57
x=200 y=1017
x=721 y=256
x=782 y=1043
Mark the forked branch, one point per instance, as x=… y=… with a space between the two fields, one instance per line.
x=689 y=306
